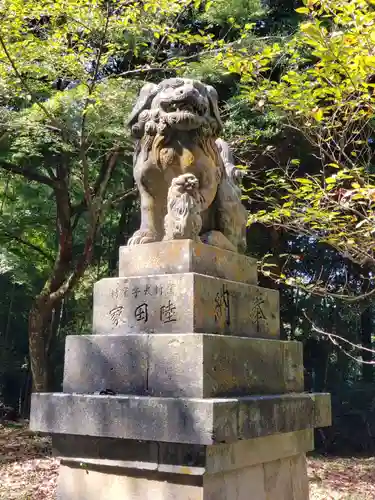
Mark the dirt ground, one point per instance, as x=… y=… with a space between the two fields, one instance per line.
x=28 y=472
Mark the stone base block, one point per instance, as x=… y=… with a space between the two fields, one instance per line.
x=271 y=468
x=186 y=256
x=279 y=480
x=190 y=365
x=183 y=303
x=178 y=420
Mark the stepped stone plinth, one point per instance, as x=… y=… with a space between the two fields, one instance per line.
x=186 y=256
x=190 y=365
x=184 y=391
x=184 y=303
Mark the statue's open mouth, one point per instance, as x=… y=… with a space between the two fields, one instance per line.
x=189 y=106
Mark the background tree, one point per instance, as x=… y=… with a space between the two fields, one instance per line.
x=63 y=114
x=325 y=93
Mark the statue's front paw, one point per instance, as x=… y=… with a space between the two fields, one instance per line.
x=141 y=237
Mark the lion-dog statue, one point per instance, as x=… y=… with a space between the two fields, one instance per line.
x=188 y=184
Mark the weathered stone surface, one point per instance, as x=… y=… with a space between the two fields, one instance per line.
x=182 y=458
x=190 y=365
x=278 y=480
x=130 y=454
x=224 y=457
x=240 y=366
x=176 y=365
x=184 y=303
x=322 y=410
x=182 y=420
x=94 y=363
x=236 y=485
x=267 y=415
x=284 y=479
x=185 y=256
x=133 y=417
x=96 y=483
x=300 y=482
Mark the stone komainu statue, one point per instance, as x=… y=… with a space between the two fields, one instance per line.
x=188 y=185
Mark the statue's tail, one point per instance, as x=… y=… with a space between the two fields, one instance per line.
x=232 y=215
x=233 y=173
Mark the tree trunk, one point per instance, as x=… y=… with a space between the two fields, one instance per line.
x=127 y=224
x=39 y=319
x=41 y=313
x=65 y=273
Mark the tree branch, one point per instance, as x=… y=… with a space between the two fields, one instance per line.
x=145 y=69
x=335 y=340
x=106 y=168
x=102 y=183
x=85 y=257
x=83 y=140
x=22 y=80
x=28 y=174
x=79 y=269
x=123 y=197
x=12 y=236
x=315 y=289
x=164 y=37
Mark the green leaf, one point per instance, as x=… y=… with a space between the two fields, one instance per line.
x=303 y=10
x=302 y=180
x=208 y=6
x=331 y=180
x=318 y=115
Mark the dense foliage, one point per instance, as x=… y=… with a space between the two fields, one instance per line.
x=296 y=90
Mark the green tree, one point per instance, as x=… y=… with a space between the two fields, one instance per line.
x=69 y=73
x=326 y=93
x=319 y=83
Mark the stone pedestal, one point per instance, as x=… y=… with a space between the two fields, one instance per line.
x=184 y=390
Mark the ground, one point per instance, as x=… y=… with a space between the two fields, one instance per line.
x=334 y=478
x=28 y=472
